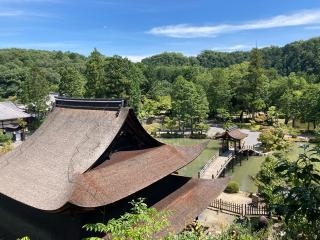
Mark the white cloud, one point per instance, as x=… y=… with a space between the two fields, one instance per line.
x=11 y=13
x=306 y=17
x=238 y=47
x=21 y=13
x=136 y=58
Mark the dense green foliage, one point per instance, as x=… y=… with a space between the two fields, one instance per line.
x=273 y=139
x=232 y=187
x=144 y=223
x=220 y=85
x=141 y=223
x=292 y=189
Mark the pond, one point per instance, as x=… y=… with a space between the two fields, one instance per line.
x=192 y=169
x=241 y=174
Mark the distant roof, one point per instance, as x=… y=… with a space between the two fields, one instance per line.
x=233 y=133
x=9 y=111
x=67 y=158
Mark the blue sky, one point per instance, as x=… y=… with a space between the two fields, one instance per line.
x=140 y=28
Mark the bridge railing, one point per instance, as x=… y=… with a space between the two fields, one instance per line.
x=206 y=166
x=239 y=209
x=223 y=165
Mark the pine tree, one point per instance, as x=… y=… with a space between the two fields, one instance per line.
x=94 y=74
x=71 y=83
x=35 y=91
x=122 y=79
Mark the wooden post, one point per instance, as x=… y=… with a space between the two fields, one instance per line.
x=232 y=163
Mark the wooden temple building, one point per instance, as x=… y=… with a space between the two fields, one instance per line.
x=85 y=163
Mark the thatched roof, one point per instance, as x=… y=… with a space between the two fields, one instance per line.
x=67 y=158
x=129 y=171
x=9 y=111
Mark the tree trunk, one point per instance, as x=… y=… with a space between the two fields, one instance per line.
x=314 y=124
x=308 y=126
x=286 y=120
x=293 y=122
x=241 y=116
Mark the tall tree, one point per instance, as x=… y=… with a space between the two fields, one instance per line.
x=94 y=74
x=256 y=85
x=310 y=104
x=71 y=83
x=122 y=79
x=189 y=103
x=219 y=92
x=35 y=92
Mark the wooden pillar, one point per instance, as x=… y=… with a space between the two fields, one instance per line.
x=232 y=164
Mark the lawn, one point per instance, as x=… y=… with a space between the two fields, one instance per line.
x=192 y=169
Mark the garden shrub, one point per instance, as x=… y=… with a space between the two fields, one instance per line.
x=232 y=187
x=153 y=128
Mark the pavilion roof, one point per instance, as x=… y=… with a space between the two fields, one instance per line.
x=233 y=133
x=67 y=158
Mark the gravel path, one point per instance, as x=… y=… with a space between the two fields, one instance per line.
x=218 y=221
x=251 y=139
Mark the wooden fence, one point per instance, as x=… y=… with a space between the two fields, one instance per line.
x=239 y=209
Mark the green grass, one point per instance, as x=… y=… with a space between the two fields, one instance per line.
x=192 y=169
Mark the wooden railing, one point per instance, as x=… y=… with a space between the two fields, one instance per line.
x=239 y=209
x=223 y=166
x=205 y=167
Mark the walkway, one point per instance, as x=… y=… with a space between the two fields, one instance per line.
x=216 y=167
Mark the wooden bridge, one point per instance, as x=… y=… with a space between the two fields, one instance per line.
x=217 y=165
x=229 y=155
x=239 y=209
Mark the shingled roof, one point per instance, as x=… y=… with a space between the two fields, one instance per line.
x=189 y=201
x=233 y=133
x=69 y=158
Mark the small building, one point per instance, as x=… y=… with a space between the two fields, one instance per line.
x=232 y=139
x=10 y=115
x=86 y=161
